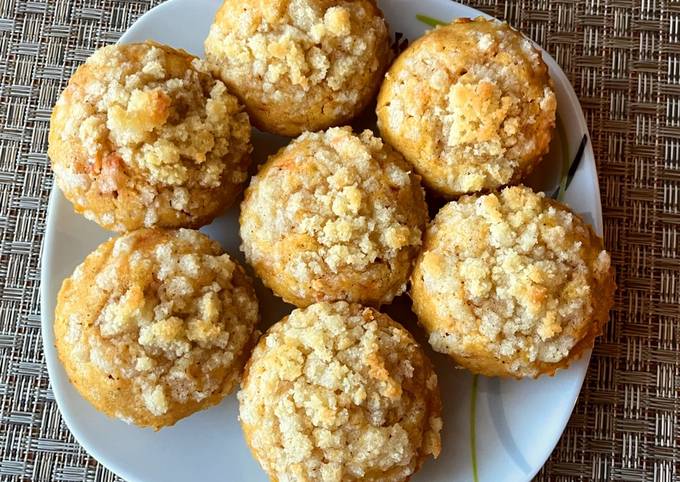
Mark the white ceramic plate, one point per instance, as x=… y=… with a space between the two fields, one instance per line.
x=515 y=424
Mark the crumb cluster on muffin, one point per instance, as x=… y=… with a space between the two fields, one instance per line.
x=143 y=135
x=155 y=325
x=334 y=216
x=470 y=105
x=300 y=65
x=511 y=283
x=340 y=392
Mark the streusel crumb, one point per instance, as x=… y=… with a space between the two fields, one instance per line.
x=512 y=284
x=338 y=393
x=334 y=216
x=300 y=64
x=155 y=325
x=470 y=105
x=144 y=136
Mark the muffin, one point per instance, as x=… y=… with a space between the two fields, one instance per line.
x=143 y=135
x=300 y=65
x=512 y=284
x=340 y=392
x=470 y=105
x=155 y=325
x=334 y=216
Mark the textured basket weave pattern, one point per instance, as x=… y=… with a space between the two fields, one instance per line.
x=623 y=58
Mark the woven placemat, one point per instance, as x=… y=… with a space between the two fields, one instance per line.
x=623 y=59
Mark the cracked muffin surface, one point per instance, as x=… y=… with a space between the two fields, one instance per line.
x=334 y=216
x=340 y=392
x=300 y=65
x=156 y=325
x=512 y=284
x=470 y=105
x=144 y=136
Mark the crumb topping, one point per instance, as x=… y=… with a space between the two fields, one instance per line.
x=173 y=127
x=338 y=392
x=490 y=106
x=333 y=203
x=163 y=313
x=302 y=41
x=514 y=273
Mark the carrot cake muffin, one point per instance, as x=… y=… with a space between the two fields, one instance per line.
x=143 y=135
x=155 y=325
x=334 y=216
x=300 y=65
x=340 y=393
x=512 y=284
x=470 y=105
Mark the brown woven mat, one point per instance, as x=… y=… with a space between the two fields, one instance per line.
x=623 y=58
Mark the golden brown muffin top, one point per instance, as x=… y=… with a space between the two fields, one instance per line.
x=339 y=392
x=161 y=316
x=513 y=274
x=472 y=98
x=147 y=118
x=299 y=53
x=334 y=207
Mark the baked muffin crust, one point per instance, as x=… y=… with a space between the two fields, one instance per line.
x=340 y=392
x=334 y=216
x=470 y=105
x=512 y=284
x=300 y=65
x=155 y=325
x=143 y=135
